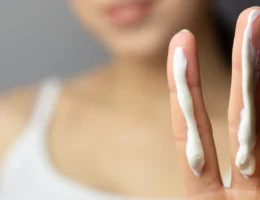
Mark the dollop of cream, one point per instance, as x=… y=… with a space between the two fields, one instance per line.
x=245 y=159
x=194 y=150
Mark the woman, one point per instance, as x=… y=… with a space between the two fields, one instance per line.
x=108 y=134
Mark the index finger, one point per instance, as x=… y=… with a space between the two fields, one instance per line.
x=192 y=131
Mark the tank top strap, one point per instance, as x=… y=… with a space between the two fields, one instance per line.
x=45 y=104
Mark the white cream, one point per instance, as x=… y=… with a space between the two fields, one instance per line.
x=194 y=150
x=245 y=159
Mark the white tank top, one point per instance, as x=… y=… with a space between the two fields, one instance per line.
x=27 y=172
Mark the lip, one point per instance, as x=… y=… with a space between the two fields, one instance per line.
x=125 y=13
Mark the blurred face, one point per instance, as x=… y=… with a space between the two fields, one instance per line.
x=138 y=28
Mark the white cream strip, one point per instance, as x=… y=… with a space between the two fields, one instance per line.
x=194 y=150
x=245 y=159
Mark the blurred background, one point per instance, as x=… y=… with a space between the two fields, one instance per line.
x=39 y=38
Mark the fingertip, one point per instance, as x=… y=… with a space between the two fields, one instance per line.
x=243 y=16
x=243 y=20
x=240 y=28
x=185 y=40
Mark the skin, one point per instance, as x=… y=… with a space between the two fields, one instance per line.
x=209 y=186
x=112 y=129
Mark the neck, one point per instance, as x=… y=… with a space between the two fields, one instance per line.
x=145 y=75
x=214 y=70
x=144 y=80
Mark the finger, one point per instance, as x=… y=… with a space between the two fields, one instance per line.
x=239 y=129
x=184 y=127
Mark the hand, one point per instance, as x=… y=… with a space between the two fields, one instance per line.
x=209 y=184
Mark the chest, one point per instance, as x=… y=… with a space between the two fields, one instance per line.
x=121 y=154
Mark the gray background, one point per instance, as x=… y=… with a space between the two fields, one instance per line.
x=39 y=38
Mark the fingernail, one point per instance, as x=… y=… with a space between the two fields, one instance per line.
x=184 y=30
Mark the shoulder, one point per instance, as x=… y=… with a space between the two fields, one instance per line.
x=16 y=104
x=15 y=110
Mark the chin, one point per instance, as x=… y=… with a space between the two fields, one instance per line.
x=143 y=47
x=137 y=28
